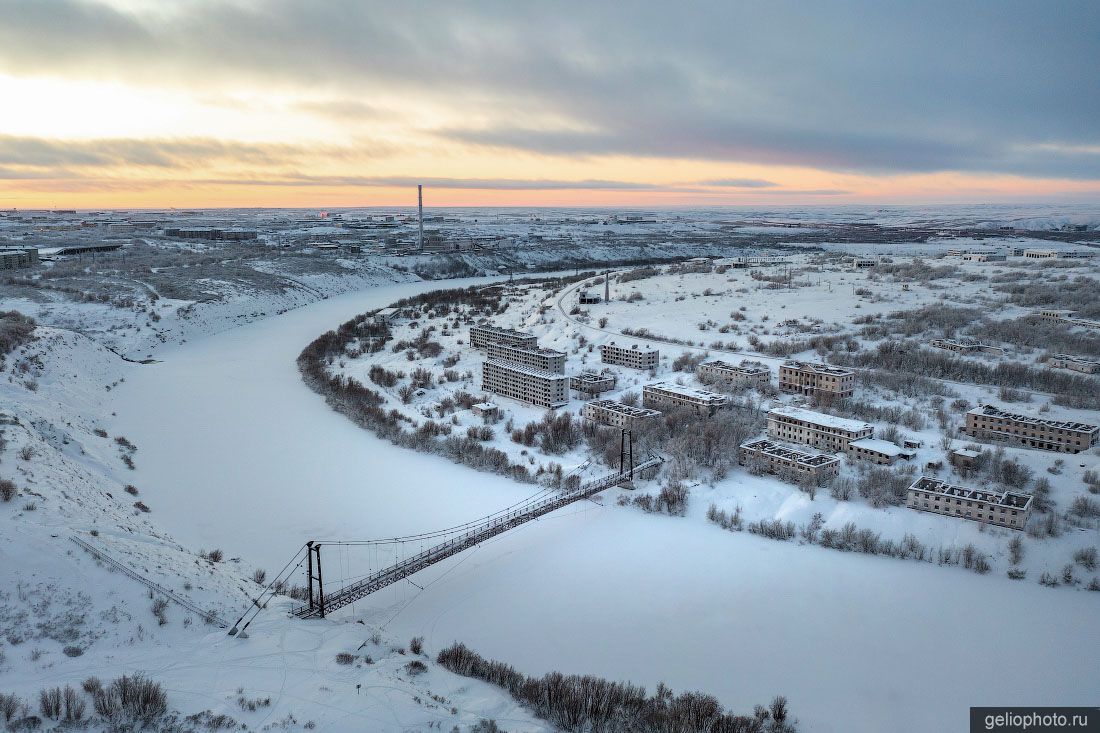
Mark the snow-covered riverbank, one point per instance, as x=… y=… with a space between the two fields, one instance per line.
x=235 y=452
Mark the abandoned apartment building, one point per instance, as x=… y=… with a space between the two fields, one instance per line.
x=747 y=372
x=815 y=379
x=826 y=432
x=546 y=359
x=671 y=395
x=633 y=356
x=1074 y=363
x=588 y=384
x=966 y=346
x=616 y=414
x=482 y=336
x=992 y=423
x=524 y=383
x=1002 y=508
x=787 y=462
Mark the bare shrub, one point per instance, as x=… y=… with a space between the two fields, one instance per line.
x=259 y=576
x=50 y=703
x=345 y=658
x=7 y=490
x=416 y=644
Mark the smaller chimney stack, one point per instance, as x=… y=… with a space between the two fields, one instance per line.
x=420 y=210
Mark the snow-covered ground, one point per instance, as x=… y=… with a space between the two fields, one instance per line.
x=231 y=451
x=597 y=588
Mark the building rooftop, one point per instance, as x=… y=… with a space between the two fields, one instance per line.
x=885 y=447
x=780 y=450
x=820 y=418
x=503 y=331
x=992 y=411
x=698 y=394
x=745 y=367
x=1075 y=359
x=533 y=371
x=644 y=348
x=818 y=367
x=1001 y=498
x=628 y=410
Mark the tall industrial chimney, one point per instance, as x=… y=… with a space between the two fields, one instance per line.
x=420 y=209
x=607 y=286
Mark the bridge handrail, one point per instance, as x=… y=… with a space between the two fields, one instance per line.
x=472 y=537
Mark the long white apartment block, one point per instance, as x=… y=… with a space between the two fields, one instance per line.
x=616 y=414
x=482 y=336
x=1004 y=508
x=827 y=432
x=551 y=361
x=526 y=384
x=1074 y=363
x=633 y=356
x=747 y=372
x=788 y=462
x=670 y=395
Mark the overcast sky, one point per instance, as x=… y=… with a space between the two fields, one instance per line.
x=195 y=102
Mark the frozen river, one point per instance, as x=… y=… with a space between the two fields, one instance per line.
x=235 y=452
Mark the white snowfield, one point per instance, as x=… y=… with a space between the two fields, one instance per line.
x=236 y=451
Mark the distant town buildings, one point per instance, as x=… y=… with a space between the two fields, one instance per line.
x=633 y=356
x=215 y=235
x=671 y=395
x=992 y=423
x=827 y=432
x=1074 y=363
x=1003 y=508
x=815 y=379
x=546 y=359
x=616 y=414
x=745 y=373
x=526 y=384
x=482 y=336
x=790 y=463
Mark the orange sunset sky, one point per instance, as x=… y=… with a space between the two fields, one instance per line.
x=199 y=103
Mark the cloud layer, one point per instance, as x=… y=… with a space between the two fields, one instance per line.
x=869 y=88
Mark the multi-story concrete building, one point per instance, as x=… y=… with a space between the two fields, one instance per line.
x=551 y=361
x=984 y=257
x=13 y=259
x=524 y=383
x=633 y=356
x=1003 y=508
x=992 y=423
x=874 y=450
x=859 y=263
x=747 y=372
x=1041 y=254
x=671 y=395
x=827 y=432
x=808 y=378
x=482 y=336
x=791 y=463
x=1055 y=314
x=592 y=383
x=616 y=414
x=1074 y=363
x=967 y=346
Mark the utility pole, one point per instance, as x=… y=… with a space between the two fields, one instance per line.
x=420 y=214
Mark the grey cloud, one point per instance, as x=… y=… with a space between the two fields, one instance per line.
x=864 y=86
x=36 y=152
x=497 y=184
